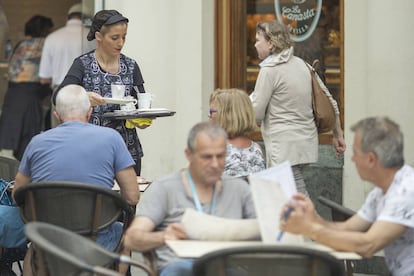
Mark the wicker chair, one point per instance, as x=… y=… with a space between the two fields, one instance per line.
x=268 y=260
x=67 y=253
x=373 y=266
x=82 y=208
x=338 y=211
x=8 y=256
x=8 y=168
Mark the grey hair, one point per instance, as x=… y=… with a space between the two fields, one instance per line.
x=277 y=34
x=210 y=128
x=72 y=101
x=383 y=137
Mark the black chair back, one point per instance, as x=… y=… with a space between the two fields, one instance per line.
x=268 y=260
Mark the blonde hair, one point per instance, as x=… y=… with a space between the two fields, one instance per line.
x=234 y=112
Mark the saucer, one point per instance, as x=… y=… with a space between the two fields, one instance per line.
x=118 y=101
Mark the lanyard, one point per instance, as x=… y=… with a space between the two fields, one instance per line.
x=195 y=196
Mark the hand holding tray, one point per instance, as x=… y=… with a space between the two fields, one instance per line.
x=139 y=113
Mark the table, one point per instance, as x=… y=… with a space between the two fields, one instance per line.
x=139 y=113
x=142 y=185
x=196 y=249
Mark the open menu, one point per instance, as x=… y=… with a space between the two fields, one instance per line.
x=271 y=189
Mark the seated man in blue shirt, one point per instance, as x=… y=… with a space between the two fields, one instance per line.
x=202 y=186
x=80 y=152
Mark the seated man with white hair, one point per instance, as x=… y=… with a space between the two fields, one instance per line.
x=81 y=152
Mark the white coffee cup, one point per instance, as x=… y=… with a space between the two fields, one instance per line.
x=145 y=100
x=129 y=106
x=118 y=91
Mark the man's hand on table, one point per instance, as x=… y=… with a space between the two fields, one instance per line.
x=175 y=231
x=301 y=219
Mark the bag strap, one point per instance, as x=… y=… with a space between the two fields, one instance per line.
x=315 y=64
x=8 y=184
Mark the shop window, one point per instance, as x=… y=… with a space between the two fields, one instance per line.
x=317 y=29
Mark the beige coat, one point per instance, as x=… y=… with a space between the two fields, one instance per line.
x=282 y=101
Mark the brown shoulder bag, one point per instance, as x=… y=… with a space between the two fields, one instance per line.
x=323 y=110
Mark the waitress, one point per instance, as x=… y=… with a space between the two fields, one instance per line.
x=106 y=65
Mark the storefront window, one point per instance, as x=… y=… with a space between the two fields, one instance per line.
x=316 y=29
x=322 y=41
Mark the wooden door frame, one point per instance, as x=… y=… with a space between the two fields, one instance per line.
x=230 y=44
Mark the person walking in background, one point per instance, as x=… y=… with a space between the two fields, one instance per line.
x=282 y=100
x=21 y=117
x=386 y=219
x=233 y=110
x=61 y=47
x=97 y=70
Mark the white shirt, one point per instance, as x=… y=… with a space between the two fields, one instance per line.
x=61 y=48
x=396 y=206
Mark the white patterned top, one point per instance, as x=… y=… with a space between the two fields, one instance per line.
x=241 y=162
x=396 y=206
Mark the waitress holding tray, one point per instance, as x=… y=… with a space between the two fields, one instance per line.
x=106 y=65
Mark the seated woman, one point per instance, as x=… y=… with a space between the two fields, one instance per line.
x=233 y=110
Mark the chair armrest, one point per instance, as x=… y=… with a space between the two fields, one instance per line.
x=338 y=211
x=150 y=258
x=98 y=270
x=127 y=260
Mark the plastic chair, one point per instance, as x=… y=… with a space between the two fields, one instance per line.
x=8 y=168
x=268 y=260
x=67 y=253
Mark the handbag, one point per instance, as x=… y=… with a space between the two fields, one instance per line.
x=323 y=111
x=11 y=225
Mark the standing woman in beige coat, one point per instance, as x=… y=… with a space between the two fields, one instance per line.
x=282 y=100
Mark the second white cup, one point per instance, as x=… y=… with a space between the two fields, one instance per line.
x=144 y=100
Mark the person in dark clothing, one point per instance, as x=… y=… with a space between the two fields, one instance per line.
x=21 y=116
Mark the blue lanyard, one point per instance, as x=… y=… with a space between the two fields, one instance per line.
x=195 y=196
